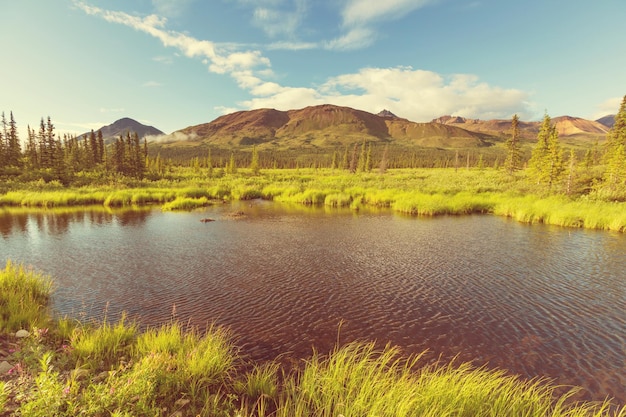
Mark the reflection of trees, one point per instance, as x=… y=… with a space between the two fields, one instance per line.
x=10 y=224
x=57 y=221
x=132 y=217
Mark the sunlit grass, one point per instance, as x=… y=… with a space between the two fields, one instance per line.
x=359 y=380
x=103 y=343
x=427 y=192
x=185 y=203
x=24 y=296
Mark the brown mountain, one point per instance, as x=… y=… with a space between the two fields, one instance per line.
x=566 y=126
x=124 y=126
x=327 y=125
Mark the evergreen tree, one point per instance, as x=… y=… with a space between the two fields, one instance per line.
x=362 y=156
x=384 y=162
x=31 y=149
x=538 y=166
x=232 y=165
x=555 y=160
x=368 y=158
x=614 y=176
x=617 y=134
x=101 y=151
x=354 y=159
x=345 y=164
x=513 y=159
x=254 y=163
x=209 y=164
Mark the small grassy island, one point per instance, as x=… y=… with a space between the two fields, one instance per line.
x=62 y=367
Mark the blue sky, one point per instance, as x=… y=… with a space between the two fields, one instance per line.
x=176 y=63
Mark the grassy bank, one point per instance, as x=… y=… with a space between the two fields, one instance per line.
x=70 y=368
x=428 y=192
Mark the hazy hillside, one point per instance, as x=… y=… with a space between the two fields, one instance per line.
x=607 y=121
x=123 y=126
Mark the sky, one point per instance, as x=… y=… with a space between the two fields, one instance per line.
x=178 y=63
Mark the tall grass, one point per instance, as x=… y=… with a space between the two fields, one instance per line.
x=101 y=344
x=358 y=380
x=24 y=296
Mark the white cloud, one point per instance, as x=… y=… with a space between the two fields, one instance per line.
x=609 y=106
x=415 y=94
x=219 y=61
x=360 y=12
x=359 y=17
x=356 y=38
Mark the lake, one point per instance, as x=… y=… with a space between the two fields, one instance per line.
x=539 y=301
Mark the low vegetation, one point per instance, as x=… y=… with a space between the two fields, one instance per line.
x=68 y=368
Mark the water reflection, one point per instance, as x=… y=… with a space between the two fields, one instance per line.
x=58 y=221
x=536 y=300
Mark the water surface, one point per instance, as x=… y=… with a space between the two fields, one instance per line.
x=539 y=301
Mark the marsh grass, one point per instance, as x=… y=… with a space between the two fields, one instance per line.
x=428 y=192
x=24 y=296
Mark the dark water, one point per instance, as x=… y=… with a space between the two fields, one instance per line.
x=538 y=301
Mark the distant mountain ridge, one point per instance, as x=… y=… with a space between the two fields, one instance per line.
x=565 y=126
x=327 y=126
x=124 y=125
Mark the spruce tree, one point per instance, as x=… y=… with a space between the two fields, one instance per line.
x=254 y=163
x=513 y=159
x=537 y=165
x=384 y=162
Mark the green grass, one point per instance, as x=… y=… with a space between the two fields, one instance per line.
x=103 y=343
x=113 y=369
x=24 y=296
x=185 y=203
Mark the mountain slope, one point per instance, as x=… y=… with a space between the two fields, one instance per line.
x=327 y=125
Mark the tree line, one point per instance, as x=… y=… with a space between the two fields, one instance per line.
x=50 y=156
x=548 y=167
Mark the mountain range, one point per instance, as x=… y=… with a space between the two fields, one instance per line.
x=328 y=125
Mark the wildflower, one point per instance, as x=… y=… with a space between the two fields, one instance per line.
x=66 y=390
